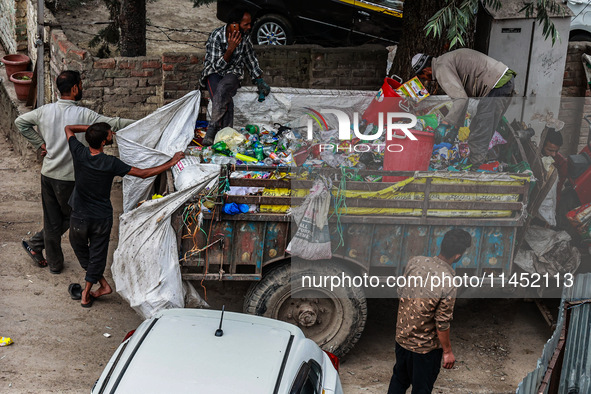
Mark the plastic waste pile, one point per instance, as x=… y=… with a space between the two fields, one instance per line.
x=283 y=146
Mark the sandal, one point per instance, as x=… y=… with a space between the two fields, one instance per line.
x=75 y=291
x=89 y=303
x=37 y=257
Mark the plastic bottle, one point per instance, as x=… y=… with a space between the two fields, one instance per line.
x=258 y=152
x=222 y=149
x=252 y=129
x=206 y=155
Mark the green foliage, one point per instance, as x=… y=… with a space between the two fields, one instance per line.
x=457 y=15
x=542 y=9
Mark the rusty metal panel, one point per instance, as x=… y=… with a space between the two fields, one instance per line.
x=387 y=245
x=357 y=240
x=497 y=249
x=416 y=243
x=276 y=240
x=218 y=254
x=247 y=243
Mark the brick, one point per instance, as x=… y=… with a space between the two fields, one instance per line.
x=148 y=91
x=151 y=64
x=101 y=83
x=125 y=82
x=116 y=91
x=156 y=80
x=93 y=93
x=135 y=98
x=145 y=73
x=64 y=46
x=194 y=59
x=126 y=65
x=81 y=54
x=173 y=58
x=168 y=67
x=117 y=73
x=104 y=63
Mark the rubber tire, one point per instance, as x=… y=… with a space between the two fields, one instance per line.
x=263 y=296
x=580 y=37
x=278 y=19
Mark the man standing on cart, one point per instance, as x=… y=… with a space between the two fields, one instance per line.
x=462 y=74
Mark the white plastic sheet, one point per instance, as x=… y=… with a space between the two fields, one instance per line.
x=153 y=140
x=284 y=105
x=146 y=265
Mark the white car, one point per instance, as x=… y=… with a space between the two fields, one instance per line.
x=580 y=25
x=178 y=351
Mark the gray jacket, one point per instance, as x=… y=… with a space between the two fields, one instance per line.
x=465 y=73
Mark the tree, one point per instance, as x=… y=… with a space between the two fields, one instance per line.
x=127 y=30
x=132 y=22
x=425 y=21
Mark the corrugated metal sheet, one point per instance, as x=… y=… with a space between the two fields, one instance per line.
x=576 y=367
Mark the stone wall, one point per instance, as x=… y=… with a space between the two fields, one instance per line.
x=13 y=25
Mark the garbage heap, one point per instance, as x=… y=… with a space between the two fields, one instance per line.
x=286 y=145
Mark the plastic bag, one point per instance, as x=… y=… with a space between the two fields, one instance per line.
x=312 y=238
x=231 y=137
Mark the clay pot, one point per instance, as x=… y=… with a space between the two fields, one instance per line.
x=22 y=86
x=15 y=63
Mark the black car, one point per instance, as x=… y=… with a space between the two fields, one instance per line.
x=327 y=22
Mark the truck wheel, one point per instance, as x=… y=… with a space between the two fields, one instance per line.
x=332 y=319
x=272 y=29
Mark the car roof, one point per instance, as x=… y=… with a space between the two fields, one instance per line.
x=180 y=353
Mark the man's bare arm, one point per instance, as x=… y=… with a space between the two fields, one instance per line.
x=71 y=130
x=448 y=356
x=148 y=172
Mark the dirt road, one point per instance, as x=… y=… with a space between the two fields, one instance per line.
x=60 y=347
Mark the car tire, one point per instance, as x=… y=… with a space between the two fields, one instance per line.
x=333 y=319
x=272 y=29
x=580 y=37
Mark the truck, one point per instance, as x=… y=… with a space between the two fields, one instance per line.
x=374 y=231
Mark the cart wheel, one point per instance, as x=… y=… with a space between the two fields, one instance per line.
x=332 y=319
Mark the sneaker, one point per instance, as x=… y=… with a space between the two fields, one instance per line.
x=207 y=141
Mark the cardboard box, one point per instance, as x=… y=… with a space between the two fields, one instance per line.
x=413 y=89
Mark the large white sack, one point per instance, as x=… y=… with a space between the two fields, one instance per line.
x=153 y=140
x=145 y=265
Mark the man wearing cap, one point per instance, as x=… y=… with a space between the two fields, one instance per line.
x=465 y=73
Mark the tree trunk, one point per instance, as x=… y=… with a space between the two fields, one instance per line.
x=414 y=39
x=132 y=21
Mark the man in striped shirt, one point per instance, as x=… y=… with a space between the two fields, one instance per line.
x=228 y=51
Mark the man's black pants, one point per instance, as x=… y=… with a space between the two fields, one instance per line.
x=489 y=113
x=221 y=89
x=56 y=221
x=420 y=370
x=90 y=240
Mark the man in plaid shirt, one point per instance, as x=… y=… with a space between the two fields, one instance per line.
x=228 y=51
